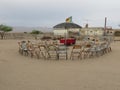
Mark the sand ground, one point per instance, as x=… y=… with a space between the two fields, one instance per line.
x=19 y=72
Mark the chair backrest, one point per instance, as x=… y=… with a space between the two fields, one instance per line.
x=51 y=48
x=19 y=43
x=88 y=45
x=42 y=47
x=77 y=48
x=62 y=48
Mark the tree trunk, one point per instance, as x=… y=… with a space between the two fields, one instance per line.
x=2 y=35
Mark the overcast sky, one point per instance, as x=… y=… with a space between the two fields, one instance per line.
x=47 y=13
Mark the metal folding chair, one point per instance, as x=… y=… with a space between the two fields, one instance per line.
x=77 y=51
x=62 y=51
x=51 y=52
x=42 y=52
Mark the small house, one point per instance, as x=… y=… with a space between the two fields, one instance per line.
x=65 y=28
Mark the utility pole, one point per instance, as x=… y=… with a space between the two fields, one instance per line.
x=105 y=26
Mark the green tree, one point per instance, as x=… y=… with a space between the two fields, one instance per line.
x=4 y=29
x=35 y=33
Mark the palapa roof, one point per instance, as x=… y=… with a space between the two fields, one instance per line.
x=67 y=25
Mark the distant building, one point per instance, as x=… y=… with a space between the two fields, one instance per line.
x=109 y=31
x=65 y=28
x=96 y=31
x=92 y=31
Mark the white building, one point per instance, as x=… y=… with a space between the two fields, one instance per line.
x=92 y=31
x=64 y=28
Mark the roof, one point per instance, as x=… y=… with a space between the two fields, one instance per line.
x=66 y=25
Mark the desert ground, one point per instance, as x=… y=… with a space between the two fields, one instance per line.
x=18 y=72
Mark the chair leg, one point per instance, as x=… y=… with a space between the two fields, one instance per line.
x=37 y=54
x=66 y=56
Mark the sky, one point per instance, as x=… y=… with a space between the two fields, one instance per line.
x=48 y=13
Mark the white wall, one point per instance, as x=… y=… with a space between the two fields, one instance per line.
x=92 y=31
x=62 y=32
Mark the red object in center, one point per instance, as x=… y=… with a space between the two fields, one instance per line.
x=68 y=41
